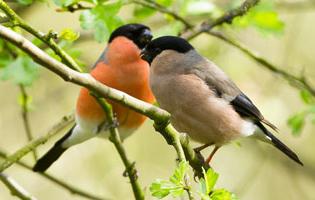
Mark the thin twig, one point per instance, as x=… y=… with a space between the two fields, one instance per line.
x=298 y=82
x=72 y=189
x=225 y=18
x=73 y=8
x=48 y=39
x=34 y=143
x=156 y=6
x=15 y=188
x=159 y=116
x=24 y=105
x=115 y=139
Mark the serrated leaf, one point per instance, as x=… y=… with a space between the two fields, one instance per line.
x=221 y=194
x=179 y=173
x=102 y=19
x=174 y=186
x=161 y=188
x=306 y=96
x=296 y=122
x=210 y=178
x=69 y=35
x=22 y=70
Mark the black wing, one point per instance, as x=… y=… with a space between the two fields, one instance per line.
x=245 y=107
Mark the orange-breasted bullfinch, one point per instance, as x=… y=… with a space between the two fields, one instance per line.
x=202 y=100
x=121 y=67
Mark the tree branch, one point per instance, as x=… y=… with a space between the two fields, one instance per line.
x=159 y=116
x=15 y=188
x=33 y=144
x=225 y=18
x=70 y=188
x=47 y=39
x=24 y=105
x=115 y=139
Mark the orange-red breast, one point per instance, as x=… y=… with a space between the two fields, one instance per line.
x=120 y=67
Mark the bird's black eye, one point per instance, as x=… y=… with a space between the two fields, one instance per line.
x=157 y=51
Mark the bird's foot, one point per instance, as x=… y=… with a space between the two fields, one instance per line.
x=132 y=170
x=106 y=125
x=202 y=147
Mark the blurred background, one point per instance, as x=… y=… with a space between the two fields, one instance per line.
x=252 y=170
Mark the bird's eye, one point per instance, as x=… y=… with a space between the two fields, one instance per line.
x=157 y=50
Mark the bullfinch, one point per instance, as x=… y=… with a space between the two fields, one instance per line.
x=121 y=67
x=202 y=100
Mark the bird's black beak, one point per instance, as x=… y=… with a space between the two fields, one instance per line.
x=144 y=54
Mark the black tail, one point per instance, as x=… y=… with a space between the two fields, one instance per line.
x=279 y=145
x=52 y=155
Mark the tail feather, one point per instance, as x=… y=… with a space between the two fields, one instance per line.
x=279 y=145
x=52 y=155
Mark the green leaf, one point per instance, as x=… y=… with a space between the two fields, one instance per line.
x=211 y=178
x=102 y=19
x=296 y=122
x=22 y=70
x=160 y=188
x=25 y=2
x=69 y=34
x=263 y=17
x=306 y=96
x=179 y=173
x=5 y=57
x=65 y=3
x=203 y=186
x=221 y=194
x=143 y=12
x=165 y=3
x=174 y=186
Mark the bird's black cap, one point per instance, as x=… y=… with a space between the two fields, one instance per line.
x=156 y=46
x=138 y=33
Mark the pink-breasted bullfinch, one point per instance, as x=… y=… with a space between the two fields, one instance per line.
x=121 y=67
x=202 y=100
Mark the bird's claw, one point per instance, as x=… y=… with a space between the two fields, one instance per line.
x=133 y=171
x=106 y=125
